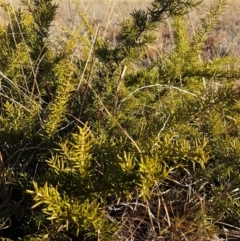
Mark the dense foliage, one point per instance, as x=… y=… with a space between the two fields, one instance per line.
x=98 y=145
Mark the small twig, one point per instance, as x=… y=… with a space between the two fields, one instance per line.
x=158 y=85
x=118 y=124
x=90 y=71
x=18 y=87
x=164 y=125
x=88 y=59
x=119 y=82
x=166 y=211
x=14 y=101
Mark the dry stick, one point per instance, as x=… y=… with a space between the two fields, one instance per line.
x=13 y=35
x=203 y=212
x=112 y=118
x=108 y=20
x=139 y=224
x=18 y=87
x=151 y=216
x=33 y=72
x=119 y=83
x=234 y=36
x=229 y=225
x=88 y=78
x=98 y=97
x=159 y=85
x=88 y=59
x=14 y=101
x=166 y=211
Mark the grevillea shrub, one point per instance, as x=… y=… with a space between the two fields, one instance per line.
x=96 y=145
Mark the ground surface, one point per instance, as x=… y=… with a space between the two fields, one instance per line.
x=108 y=13
x=225 y=37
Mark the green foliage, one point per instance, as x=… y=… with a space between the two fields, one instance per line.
x=95 y=145
x=74 y=156
x=67 y=213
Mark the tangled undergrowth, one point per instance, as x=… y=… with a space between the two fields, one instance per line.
x=98 y=145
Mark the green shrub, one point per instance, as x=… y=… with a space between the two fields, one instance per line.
x=98 y=146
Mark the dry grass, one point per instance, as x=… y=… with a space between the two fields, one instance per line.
x=108 y=13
